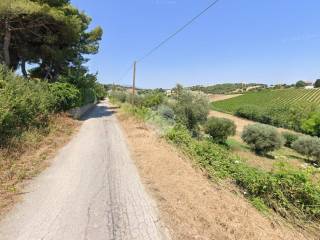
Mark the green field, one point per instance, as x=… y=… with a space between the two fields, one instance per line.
x=270 y=98
x=287 y=108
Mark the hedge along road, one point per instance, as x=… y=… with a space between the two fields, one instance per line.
x=91 y=191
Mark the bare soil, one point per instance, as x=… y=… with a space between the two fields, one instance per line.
x=220 y=97
x=28 y=156
x=241 y=123
x=191 y=206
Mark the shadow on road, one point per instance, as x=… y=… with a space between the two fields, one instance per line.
x=98 y=112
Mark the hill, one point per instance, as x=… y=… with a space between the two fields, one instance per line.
x=227 y=88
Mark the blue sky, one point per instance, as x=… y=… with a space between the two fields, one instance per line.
x=265 y=41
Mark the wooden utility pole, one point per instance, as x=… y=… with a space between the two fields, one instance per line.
x=134 y=82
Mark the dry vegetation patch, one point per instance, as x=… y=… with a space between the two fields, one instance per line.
x=28 y=155
x=191 y=205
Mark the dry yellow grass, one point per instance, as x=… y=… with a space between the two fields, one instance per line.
x=27 y=156
x=190 y=205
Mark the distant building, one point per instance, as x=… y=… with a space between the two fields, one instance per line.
x=309 y=85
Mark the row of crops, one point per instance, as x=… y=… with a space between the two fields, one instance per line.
x=271 y=98
x=286 y=108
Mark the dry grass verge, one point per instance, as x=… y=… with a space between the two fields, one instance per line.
x=191 y=206
x=27 y=156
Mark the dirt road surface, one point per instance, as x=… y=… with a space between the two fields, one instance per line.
x=91 y=191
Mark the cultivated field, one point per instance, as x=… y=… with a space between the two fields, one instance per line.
x=271 y=98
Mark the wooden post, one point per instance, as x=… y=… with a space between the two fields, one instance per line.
x=134 y=82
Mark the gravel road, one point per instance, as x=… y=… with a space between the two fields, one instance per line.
x=91 y=191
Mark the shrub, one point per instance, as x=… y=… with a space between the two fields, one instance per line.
x=152 y=99
x=289 y=192
x=166 y=112
x=66 y=96
x=220 y=129
x=120 y=96
x=24 y=104
x=312 y=124
x=262 y=138
x=100 y=91
x=289 y=138
x=191 y=109
x=247 y=111
x=308 y=146
x=87 y=95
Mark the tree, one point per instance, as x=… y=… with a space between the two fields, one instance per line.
x=301 y=84
x=220 y=129
x=191 y=109
x=317 y=83
x=262 y=138
x=50 y=33
x=309 y=146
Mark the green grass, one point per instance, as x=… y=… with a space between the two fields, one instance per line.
x=269 y=98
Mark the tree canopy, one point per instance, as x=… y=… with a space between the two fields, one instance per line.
x=52 y=34
x=301 y=84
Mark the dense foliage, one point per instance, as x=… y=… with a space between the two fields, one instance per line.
x=191 y=109
x=51 y=34
x=289 y=138
x=301 y=84
x=220 y=129
x=287 y=108
x=262 y=138
x=309 y=146
x=23 y=104
x=66 y=96
x=311 y=125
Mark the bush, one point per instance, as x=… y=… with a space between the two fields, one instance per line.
x=87 y=95
x=289 y=192
x=101 y=92
x=191 y=109
x=152 y=99
x=251 y=112
x=166 y=112
x=312 y=124
x=289 y=138
x=24 y=104
x=262 y=138
x=220 y=129
x=308 y=146
x=66 y=96
x=120 y=96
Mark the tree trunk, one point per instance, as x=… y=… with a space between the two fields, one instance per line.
x=6 y=44
x=23 y=68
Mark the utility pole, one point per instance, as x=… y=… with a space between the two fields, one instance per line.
x=134 y=82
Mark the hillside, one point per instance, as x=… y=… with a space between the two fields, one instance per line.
x=227 y=88
x=270 y=98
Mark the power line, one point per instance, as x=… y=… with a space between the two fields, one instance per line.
x=177 y=32
x=169 y=37
x=125 y=73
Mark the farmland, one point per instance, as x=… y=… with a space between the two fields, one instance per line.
x=287 y=108
x=271 y=98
